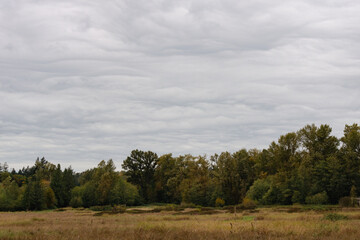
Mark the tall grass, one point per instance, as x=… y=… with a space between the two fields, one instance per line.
x=267 y=223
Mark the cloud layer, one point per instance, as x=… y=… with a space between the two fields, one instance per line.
x=83 y=81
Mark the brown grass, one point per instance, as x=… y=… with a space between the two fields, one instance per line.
x=264 y=224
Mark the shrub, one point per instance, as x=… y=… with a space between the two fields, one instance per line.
x=245 y=205
x=50 y=198
x=60 y=210
x=119 y=209
x=101 y=208
x=346 y=202
x=271 y=196
x=259 y=189
x=335 y=217
x=296 y=197
x=124 y=193
x=173 y=207
x=169 y=207
x=219 y=202
x=187 y=205
x=248 y=203
x=353 y=192
x=317 y=199
x=76 y=202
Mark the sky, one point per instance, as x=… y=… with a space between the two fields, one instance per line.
x=82 y=81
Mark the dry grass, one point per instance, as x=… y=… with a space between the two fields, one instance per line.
x=264 y=224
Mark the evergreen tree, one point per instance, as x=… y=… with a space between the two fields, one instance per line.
x=68 y=183
x=56 y=185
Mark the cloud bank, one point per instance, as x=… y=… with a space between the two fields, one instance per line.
x=83 y=81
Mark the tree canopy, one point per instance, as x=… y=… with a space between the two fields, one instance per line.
x=310 y=166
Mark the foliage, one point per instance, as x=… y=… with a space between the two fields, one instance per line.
x=335 y=217
x=258 y=190
x=234 y=174
x=76 y=202
x=308 y=166
x=140 y=168
x=346 y=202
x=317 y=199
x=50 y=199
x=125 y=193
x=248 y=204
x=101 y=208
x=219 y=202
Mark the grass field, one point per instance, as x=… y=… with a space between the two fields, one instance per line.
x=262 y=223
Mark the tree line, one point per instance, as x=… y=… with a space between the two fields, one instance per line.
x=310 y=166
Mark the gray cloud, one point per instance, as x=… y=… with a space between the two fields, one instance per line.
x=83 y=81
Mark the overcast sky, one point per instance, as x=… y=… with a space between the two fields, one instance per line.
x=82 y=81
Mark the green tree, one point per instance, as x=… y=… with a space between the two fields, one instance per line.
x=140 y=168
x=50 y=199
x=67 y=184
x=350 y=156
x=106 y=177
x=89 y=197
x=166 y=169
x=235 y=173
x=258 y=190
x=34 y=196
x=124 y=193
x=56 y=185
x=195 y=181
x=76 y=197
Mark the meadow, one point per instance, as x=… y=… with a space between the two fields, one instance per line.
x=190 y=223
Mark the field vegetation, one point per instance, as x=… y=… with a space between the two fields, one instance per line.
x=161 y=222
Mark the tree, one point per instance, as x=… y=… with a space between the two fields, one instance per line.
x=258 y=190
x=124 y=193
x=166 y=169
x=68 y=183
x=235 y=175
x=106 y=177
x=34 y=196
x=195 y=184
x=43 y=168
x=89 y=197
x=350 y=156
x=140 y=168
x=50 y=199
x=56 y=185
x=321 y=150
x=10 y=195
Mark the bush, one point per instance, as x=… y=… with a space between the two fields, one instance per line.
x=124 y=193
x=248 y=204
x=101 y=208
x=335 y=217
x=296 y=197
x=76 y=202
x=50 y=198
x=187 y=205
x=346 y=202
x=258 y=190
x=118 y=209
x=219 y=202
x=169 y=207
x=317 y=199
x=271 y=196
